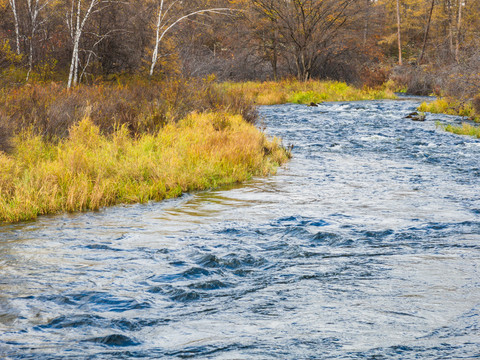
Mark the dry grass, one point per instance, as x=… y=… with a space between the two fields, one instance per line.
x=142 y=106
x=292 y=91
x=88 y=169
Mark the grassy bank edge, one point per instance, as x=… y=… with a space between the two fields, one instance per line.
x=89 y=170
x=464 y=129
x=457 y=108
x=312 y=91
x=41 y=177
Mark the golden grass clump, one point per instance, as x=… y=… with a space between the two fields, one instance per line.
x=293 y=91
x=450 y=107
x=88 y=169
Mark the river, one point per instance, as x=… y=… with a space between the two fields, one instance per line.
x=365 y=246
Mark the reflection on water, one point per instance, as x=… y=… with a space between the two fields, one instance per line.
x=366 y=245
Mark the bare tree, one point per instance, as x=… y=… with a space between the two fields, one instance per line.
x=165 y=23
x=304 y=25
x=34 y=8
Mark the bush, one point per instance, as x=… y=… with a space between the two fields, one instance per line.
x=50 y=110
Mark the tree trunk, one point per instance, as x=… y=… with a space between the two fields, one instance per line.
x=275 y=56
x=459 y=27
x=366 y=26
x=33 y=10
x=427 y=29
x=400 y=62
x=450 y=26
x=78 y=31
x=17 y=27
x=72 y=80
x=304 y=66
x=157 y=38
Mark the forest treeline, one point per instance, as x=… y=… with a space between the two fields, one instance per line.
x=363 y=42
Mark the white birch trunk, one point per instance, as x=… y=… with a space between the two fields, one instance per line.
x=77 y=31
x=157 y=38
x=33 y=14
x=73 y=63
x=17 y=27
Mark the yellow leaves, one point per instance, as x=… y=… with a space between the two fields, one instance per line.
x=8 y=55
x=388 y=39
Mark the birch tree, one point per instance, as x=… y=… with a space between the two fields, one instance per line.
x=13 y=5
x=34 y=8
x=76 y=20
x=166 y=21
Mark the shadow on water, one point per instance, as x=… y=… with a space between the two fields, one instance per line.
x=366 y=245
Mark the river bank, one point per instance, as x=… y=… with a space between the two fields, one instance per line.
x=467 y=109
x=93 y=146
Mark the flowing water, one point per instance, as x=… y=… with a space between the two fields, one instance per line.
x=365 y=246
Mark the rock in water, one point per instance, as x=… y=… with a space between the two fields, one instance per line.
x=420 y=117
x=312 y=104
x=411 y=115
x=415 y=116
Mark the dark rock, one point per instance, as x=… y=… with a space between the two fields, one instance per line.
x=419 y=118
x=411 y=115
x=312 y=104
x=416 y=116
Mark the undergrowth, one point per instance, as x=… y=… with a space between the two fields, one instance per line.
x=142 y=106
